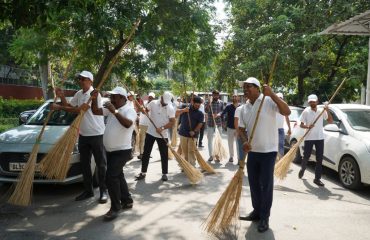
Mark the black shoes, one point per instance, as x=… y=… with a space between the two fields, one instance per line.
x=253 y=216
x=103 y=197
x=84 y=195
x=318 y=183
x=110 y=215
x=231 y=159
x=200 y=146
x=164 y=178
x=300 y=174
x=263 y=225
x=140 y=156
x=210 y=159
x=141 y=176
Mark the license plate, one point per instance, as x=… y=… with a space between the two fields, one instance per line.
x=17 y=167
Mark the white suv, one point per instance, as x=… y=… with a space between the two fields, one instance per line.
x=346 y=143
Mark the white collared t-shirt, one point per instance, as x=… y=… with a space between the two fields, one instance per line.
x=91 y=125
x=266 y=134
x=160 y=115
x=116 y=136
x=308 y=117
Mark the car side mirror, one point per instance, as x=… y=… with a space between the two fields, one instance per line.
x=331 y=128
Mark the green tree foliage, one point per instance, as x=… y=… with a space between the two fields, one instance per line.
x=308 y=62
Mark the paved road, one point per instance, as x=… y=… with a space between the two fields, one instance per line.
x=176 y=209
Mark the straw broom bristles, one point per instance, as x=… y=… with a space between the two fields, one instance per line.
x=224 y=213
x=23 y=190
x=190 y=171
x=282 y=167
x=202 y=163
x=55 y=164
x=218 y=148
x=174 y=135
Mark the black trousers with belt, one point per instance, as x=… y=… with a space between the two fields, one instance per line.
x=260 y=167
x=116 y=182
x=163 y=150
x=88 y=146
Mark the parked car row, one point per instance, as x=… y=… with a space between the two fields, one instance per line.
x=346 y=143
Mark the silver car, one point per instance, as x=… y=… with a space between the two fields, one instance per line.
x=17 y=143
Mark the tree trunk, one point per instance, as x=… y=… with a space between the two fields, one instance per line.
x=44 y=73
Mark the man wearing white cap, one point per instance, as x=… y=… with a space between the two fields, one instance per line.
x=143 y=126
x=280 y=124
x=315 y=137
x=262 y=150
x=162 y=114
x=117 y=142
x=90 y=140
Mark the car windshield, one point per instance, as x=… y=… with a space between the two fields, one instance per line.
x=58 y=118
x=294 y=114
x=358 y=119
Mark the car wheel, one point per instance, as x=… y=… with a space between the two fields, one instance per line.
x=298 y=156
x=349 y=173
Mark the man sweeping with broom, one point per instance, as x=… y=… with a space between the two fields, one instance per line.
x=163 y=115
x=90 y=140
x=263 y=150
x=117 y=142
x=188 y=134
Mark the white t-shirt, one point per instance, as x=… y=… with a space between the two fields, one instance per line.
x=308 y=117
x=160 y=115
x=91 y=125
x=201 y=108
x=143 y=119
x=238 y=111
x=265 y=137
x=117 y=137
x=280 y=120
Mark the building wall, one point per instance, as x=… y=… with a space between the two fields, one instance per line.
x=8 y=91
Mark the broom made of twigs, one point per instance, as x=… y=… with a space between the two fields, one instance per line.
x=22 y=193
x=283 y=165
x=190 y=171
x=227 y=207
x=219 y=150
x=202 y=163
x=56 y=162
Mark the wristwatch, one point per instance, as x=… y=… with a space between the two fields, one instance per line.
x=162 y=128
x=115 y=112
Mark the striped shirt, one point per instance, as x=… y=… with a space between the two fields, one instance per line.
x=217 y=107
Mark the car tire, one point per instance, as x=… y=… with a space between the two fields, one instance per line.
x=349 y=173
x=298 y=156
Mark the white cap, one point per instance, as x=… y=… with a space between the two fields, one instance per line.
x=151 y=94
x=312 y=98
x=167 y=96
x=280 y=95
x=87 y=74
x=119 y=91
x=250 y=80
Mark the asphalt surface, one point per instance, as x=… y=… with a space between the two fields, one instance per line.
x=176 y=209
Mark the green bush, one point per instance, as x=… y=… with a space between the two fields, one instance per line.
x=5 y=127
x=5 y=121
x=13 y=107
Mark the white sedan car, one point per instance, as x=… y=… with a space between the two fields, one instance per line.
x=346 y=143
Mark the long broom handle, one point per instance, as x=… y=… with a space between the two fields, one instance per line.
x=115 y=58
x=38 y=139
x=322 y=112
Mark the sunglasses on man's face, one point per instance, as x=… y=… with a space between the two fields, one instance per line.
x=83 y=79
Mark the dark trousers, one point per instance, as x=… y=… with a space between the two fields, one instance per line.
x=260 y=167
x=88 y=146
x=201 y=134
x=163 y=150
x=116 y=182
x=307 y=150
